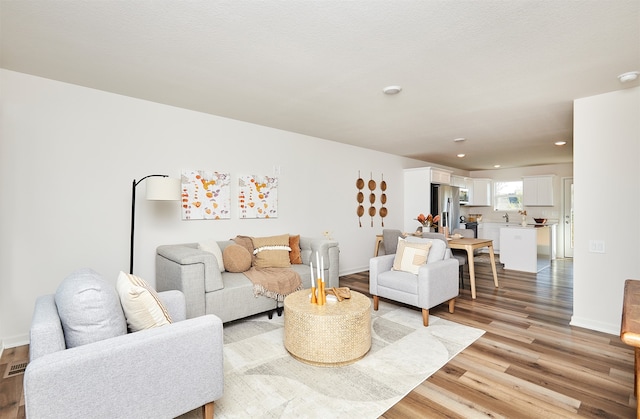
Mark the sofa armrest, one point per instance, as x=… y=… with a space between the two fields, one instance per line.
x=436 y=279
x=186 y=268
x=329 y=250
x=46 y=334
x=161 y=372
x=175 y=304
x=377 y=265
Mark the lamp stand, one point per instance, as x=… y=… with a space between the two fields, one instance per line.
x=133 y=215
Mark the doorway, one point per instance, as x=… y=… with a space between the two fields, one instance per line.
x=567 y=216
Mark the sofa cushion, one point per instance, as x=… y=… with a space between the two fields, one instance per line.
x=271 y=252
x=410 y=256
x=436 y=252
x=212 y=246
x=89 y=309
x=236 y=258
x=295 y=257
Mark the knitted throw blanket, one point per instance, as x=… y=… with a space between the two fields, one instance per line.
x=274 y=283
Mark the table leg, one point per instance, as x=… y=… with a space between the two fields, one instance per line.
x=635 y=378
x=493 y=265
x=472 y=271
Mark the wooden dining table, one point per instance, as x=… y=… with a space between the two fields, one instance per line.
x=470 y=245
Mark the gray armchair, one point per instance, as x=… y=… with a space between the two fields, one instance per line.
x=161 y=372
x=436 y=281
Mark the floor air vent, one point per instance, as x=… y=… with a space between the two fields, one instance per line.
x=15 y=368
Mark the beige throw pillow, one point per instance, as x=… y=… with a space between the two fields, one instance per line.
x=141 y=304
x=271 y=252
x=236 y=258
x=212 y=246
x=410 y=256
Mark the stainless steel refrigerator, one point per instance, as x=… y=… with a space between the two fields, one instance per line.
x=445 y=200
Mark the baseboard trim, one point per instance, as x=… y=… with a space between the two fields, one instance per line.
x=13 y=341
x=613 y=329
x=354 y=271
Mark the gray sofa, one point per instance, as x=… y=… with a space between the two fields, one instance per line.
x=161 y=372
x=230 y=295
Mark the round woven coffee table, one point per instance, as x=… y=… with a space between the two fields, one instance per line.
x=335 y=334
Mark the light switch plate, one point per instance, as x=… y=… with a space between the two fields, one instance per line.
x=596 y=246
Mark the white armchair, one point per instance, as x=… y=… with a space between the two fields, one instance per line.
x=435 y=282
x=160 y=372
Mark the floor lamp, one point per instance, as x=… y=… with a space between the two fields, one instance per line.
x=159 y=188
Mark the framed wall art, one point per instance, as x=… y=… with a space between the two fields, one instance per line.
x=205 y=195
x=258 y=196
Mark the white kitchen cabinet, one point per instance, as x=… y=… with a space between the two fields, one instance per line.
x=480 y=193
x=526 y=249
x=440 y=176
x=537 y=191
x=417 y=192
x=459 y=181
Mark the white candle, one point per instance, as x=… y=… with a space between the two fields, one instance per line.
x=318 y=264
x=322 y=268
x=311 y=269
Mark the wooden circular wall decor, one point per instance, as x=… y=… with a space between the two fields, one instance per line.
x=372 y=198
x=360 y=198
x=383 y=199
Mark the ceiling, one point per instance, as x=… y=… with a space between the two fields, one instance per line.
x=501 y=74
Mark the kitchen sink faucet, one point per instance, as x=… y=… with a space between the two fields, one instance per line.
x=506 y=217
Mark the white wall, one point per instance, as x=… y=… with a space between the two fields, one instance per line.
x=607 y=202
x=68 y=156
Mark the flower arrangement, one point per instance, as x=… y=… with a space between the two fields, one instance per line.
x=428 y=220
x=524 y=217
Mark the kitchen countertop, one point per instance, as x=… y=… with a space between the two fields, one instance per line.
x=517 y=224
x=533 y=225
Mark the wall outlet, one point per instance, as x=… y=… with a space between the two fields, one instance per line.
x=596 y=246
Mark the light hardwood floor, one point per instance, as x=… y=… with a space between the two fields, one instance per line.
x=529 y=364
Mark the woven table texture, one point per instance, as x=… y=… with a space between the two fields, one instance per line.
x=335 y=334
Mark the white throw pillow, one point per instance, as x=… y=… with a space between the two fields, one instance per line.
x=410 y=256
x=212 y=246
x=141 y=304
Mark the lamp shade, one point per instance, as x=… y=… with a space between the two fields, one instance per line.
x=163 y=189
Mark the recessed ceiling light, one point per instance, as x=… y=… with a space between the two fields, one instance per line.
x=496 y=166
x=461 y=155
x=459 y=140
x=628 y=76
x=392 y=90
x=560 y=142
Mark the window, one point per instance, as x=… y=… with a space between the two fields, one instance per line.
x=507 y=196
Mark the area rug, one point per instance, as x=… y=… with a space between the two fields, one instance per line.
x=263 y=381
x=485 y=258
